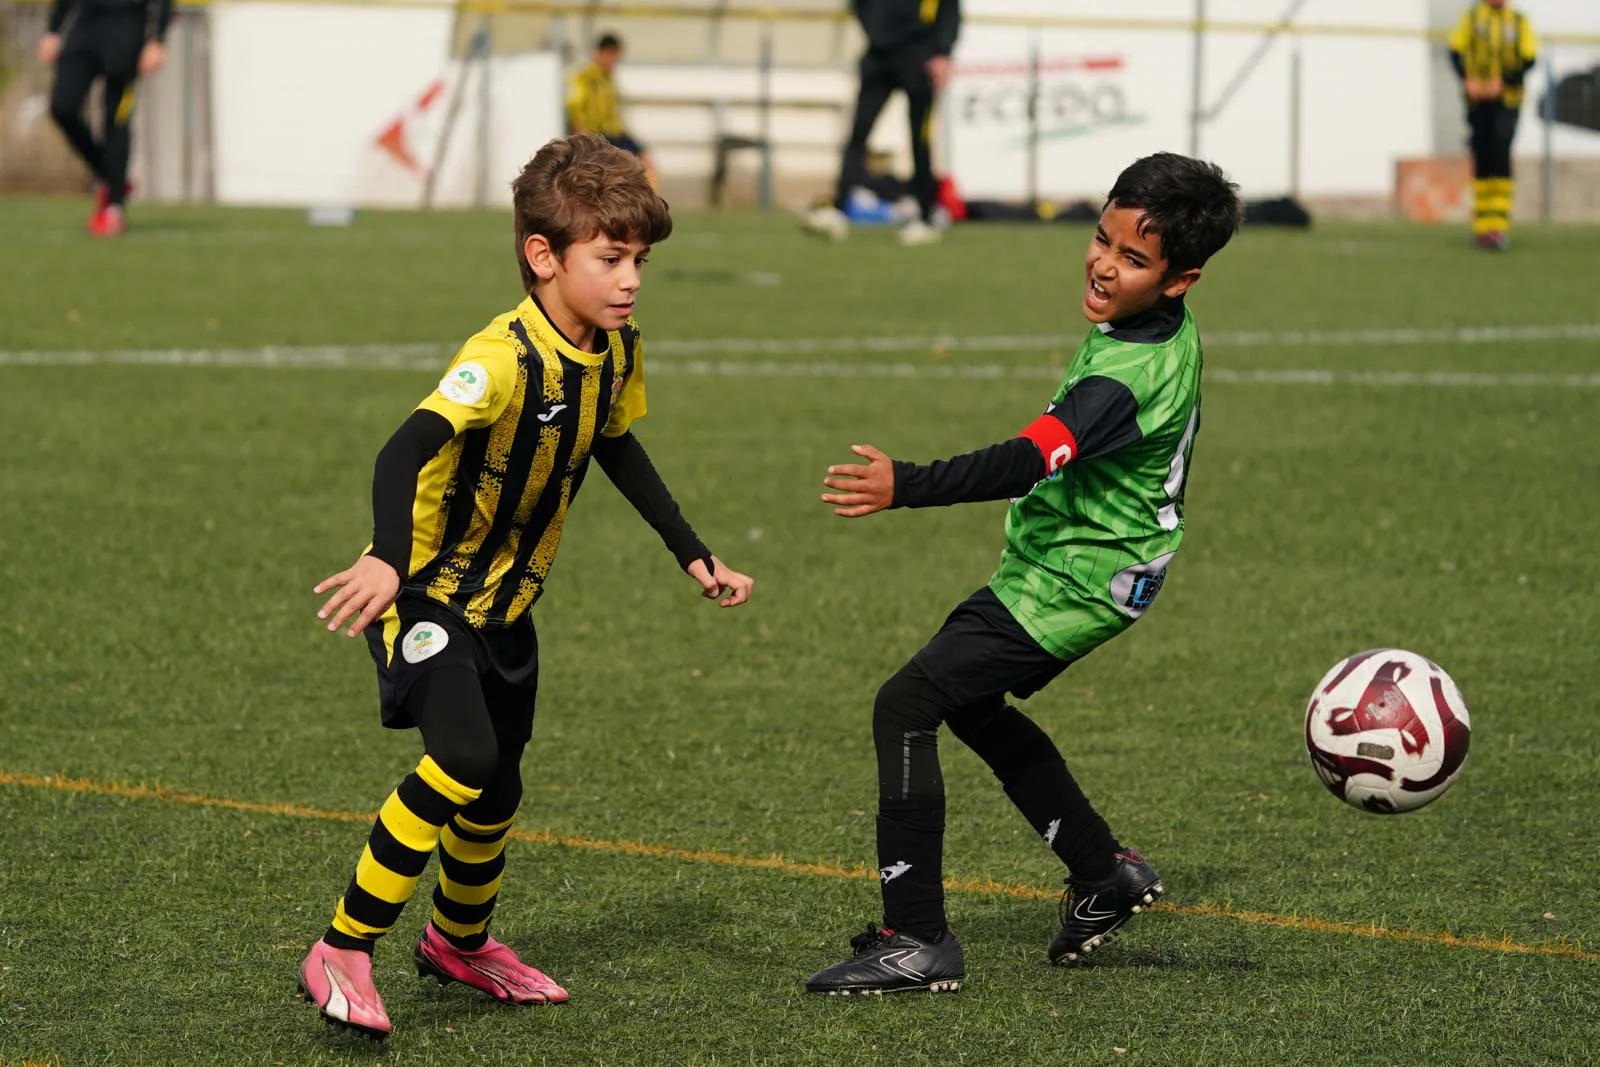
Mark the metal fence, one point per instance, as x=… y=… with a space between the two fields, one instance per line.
x=174 y=126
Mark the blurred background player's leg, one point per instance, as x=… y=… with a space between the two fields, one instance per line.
x=877 y=82
x=76 y=71
x=1493 y=126
x=120 y=41
x=115 y=149
x=911 y=65
x=1501 y=183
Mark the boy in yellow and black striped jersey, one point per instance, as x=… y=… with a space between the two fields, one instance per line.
x=1492 y=50
x=469 y=497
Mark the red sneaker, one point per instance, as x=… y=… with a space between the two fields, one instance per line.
x=107 y=222
x=339 y=982
x=493 y=969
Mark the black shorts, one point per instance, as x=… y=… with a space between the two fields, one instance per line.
x=626 y=142
x=429 y=635
x=982 y=652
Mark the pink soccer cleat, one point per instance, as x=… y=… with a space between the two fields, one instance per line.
x=494 y=969
x=339 y=982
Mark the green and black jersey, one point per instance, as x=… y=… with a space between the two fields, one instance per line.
x=1097 y=480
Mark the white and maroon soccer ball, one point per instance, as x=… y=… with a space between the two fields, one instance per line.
x=1387 y=730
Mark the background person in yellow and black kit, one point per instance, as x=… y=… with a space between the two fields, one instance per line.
x=1492 y=50
x=118 y=41
x=469 y=498
x=593 y=105
x=908 y=48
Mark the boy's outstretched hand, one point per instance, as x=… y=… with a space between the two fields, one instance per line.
x=368 y=587
x=734 y=588
x=867 y=487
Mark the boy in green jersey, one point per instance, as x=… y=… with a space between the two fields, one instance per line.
x=1096 y=484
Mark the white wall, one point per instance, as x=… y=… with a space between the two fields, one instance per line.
x=299 y=95
x=301 y=92
x=1363 y=100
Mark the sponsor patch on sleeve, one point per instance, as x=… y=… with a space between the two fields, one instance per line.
x=465 y=383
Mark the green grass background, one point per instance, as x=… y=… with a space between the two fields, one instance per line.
x=162 y=528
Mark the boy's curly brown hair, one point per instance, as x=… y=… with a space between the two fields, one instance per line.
x=578 y=187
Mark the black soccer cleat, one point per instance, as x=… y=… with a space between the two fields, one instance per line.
x=1092 y=913
x=888 y=961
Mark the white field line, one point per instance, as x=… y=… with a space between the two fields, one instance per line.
x=428 y=357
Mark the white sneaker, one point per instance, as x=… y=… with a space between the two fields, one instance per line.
x=917 y=232
x=828 y=221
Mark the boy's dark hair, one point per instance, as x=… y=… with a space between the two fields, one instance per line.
x=1189 y=203
x=607 y=40
x=578 y=187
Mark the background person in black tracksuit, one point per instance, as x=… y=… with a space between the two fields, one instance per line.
x=117 y=41
x=908 y=48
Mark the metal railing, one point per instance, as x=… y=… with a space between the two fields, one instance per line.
x=32 y=157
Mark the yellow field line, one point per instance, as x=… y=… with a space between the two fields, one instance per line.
x=788 y=866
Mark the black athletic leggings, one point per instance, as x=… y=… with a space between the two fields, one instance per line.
x=881 y=74
x=475 y=730
x=1493 y=127
x=107 y=47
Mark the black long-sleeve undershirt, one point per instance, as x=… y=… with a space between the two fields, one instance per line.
x=628 y=466
x=999 y=472
x=1097 y=416
x=394 y=484
x=419 y=438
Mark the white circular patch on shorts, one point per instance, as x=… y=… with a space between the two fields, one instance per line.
x=466 y=383
x=424 y=639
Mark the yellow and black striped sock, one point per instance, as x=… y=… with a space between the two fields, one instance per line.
x=1492 y=198
x=403 y=837
x=1501 y=191
x=471 y=859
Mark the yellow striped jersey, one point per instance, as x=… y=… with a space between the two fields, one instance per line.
x=526 y=405
x=592 y=104
x=1496 y=43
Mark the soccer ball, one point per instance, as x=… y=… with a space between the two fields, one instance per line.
x=1387 y=731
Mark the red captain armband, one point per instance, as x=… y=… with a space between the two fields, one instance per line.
x=1055 y=442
